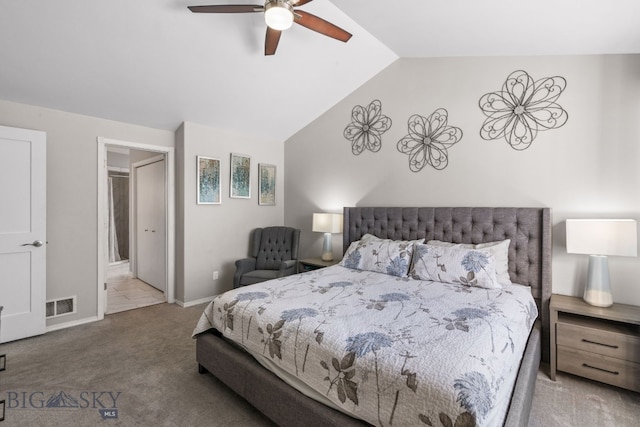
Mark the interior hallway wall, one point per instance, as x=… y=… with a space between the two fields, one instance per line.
x=72 y=198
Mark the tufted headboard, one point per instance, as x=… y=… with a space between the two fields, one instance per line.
x=528 y=228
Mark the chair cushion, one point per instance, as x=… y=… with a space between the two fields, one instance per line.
x=275 y=246
x=256 y=276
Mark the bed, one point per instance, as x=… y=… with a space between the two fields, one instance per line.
x=281 y=398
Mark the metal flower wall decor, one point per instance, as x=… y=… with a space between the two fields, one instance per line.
x=523 y=108
x=428 y=140
x=366 y=128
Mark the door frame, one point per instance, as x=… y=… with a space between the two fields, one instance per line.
x=169 y=156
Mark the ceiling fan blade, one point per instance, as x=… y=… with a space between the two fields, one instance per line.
x=314 y=23
x=227 y=8
x=271 y=41
x=300 y=2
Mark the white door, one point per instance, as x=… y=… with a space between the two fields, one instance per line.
x=23 y=252
x=151 y=225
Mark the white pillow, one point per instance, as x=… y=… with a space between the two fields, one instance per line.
x=499 y=250
x=372 y=237
x=455 y=264
x=380 y=255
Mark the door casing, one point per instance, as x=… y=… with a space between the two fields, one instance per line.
x=169 y=155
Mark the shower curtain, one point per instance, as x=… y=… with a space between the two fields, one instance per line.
x=114 y=253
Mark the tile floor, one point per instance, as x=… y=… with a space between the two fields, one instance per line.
x=124 y=292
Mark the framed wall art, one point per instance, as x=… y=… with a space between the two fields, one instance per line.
x=240 y=187
x=208 y=181
x=267 y=184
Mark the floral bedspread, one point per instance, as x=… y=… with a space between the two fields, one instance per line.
x=384 y=349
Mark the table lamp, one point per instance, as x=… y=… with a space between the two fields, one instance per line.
x=327 y=223
x=599 y=238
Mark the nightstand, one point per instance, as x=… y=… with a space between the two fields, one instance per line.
x=309 y=264
x=602 y=344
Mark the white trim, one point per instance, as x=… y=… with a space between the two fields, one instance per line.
x=169 y=156
x=72 y=323
x=196 y=302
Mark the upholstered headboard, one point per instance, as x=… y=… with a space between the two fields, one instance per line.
x=528 y=228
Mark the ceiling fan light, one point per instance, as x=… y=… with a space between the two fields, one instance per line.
x=278 y=15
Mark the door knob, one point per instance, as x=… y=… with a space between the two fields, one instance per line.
x=36 y=243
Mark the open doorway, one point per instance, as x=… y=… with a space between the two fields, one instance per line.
x=135 y=205
x=129 y=245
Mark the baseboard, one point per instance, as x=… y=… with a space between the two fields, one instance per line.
x=95 y=318
x=195 y=302
x=70 y=324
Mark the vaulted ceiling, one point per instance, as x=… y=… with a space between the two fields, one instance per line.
x=156 y=64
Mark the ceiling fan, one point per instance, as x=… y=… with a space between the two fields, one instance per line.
x=279 y=15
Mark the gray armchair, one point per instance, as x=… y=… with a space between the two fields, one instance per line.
x=273 y=253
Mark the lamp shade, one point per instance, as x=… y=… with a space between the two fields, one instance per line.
x=602 y=237
x=327 y=223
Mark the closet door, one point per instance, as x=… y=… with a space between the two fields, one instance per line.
x=151 y=225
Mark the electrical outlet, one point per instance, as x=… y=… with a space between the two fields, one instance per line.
x=215 y=275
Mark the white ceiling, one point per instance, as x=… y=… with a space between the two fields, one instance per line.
x=156 y=64
x=427 y=28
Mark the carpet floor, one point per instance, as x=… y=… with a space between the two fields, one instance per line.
x=137 y=368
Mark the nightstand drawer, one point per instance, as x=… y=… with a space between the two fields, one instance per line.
x=598 y=337
x=600 y=368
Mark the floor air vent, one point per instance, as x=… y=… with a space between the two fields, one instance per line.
x=51 y=308
x=61 y=306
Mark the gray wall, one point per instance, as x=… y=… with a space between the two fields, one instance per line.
x=208 y=237
x=72 y=198
x=587 y=168
x=118 y=159
x=212 y=237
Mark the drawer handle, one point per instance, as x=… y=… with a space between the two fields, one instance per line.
x=599 y=343
x=600 y=369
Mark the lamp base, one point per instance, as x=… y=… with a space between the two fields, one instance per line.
x=327 y=256
x=598 y=299
x=327 y=250
x=598 y=289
